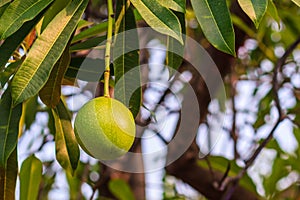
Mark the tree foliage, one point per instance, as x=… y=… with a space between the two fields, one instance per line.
x=45 y=64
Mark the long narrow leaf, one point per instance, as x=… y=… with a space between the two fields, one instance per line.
x=216 y=24
x=4 y=2
x=175 y=49
x=8 y=71
x=55 y=8
x=50 y=93
x=30 y=178
x=91 y=32
x=8 y=177
x=12 y=42
x=297 y=2
x=159 y=17
x=19 y=12
x=9 y=126
x=45 y=52
x=176 y=5
x=255 y=9
x=88 y=44
x=120 y=189
x=67 y=150
x=86 y=69
x=126 y=61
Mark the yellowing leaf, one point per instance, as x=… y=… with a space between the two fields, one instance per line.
x=45 y=52
x=255 y=9
x=50 y=93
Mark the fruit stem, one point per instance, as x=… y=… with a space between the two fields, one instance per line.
x=110 y=12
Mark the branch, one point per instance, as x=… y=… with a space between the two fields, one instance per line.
x=276 y=86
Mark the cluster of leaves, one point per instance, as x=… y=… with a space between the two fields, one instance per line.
x=37 y=41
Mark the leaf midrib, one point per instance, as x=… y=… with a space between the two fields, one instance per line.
x=217 y=26
x=20 y=16
x=45 y=55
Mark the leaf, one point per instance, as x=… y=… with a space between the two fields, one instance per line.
x=126 y=61
x=175 y=49
x=3 y=8
x=67 y=150
x=120 y=189
x=12 y=42
x=4 y=2
x=30 y=178
x=216 y=24
x=19 y=12
x=176 y=5
x=86 y=69
x=279 y=171
x=54 y=9
x=83 y=24
x=88 y=44
x=255 y=9
x=297 y=2
x=91 y=32
x=51 y=92
x=272 y=11
x=159 y=17
x=45 y=52
x=9 y=71
x=75 y=182
x=8 y=177
x=9 y=126
x=30 y=109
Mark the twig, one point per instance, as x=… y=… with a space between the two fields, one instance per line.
x=275 y=88
x=233 y=133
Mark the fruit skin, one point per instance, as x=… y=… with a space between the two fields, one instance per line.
x=104 y=128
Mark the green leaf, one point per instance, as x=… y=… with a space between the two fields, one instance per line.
x=175 y=49
x=30 y=109
x=176 y=5
x=9 y=71
x=54 y=9
x=3 y=8
x=75 y=182
x=120 y=189
x=86 y=69
x=126 y=61
x=91 y=32
x=159 y=17
x=297 y=2
x=279 y=171
x=83 y=24
x=30 y=178
x=216 y=24
x=272 y=11
x=12 y=42
x=45 y=52
x=88 y=44
x=51 y=92
x=4 y=2
x=67 y=150
x=255 y=9
x=9 y=126
x=19 y=12
x=8 y=177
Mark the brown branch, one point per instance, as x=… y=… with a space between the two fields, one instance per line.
x=275 y=88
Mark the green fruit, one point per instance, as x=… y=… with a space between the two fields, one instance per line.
x=105 y=128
